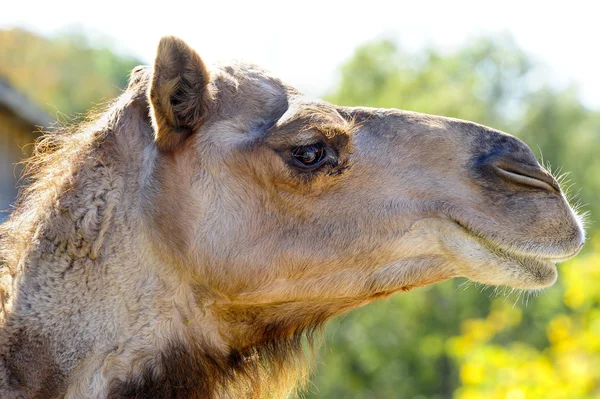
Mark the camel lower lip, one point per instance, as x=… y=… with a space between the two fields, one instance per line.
x=536 y=271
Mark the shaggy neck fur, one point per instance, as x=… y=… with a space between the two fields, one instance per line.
x=89 y=311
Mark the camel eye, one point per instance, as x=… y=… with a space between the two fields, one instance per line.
x=309 y=156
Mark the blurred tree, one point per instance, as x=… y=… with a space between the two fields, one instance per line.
x=404 y=347
x=66 y=74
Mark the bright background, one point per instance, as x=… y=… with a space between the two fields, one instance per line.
x=529 y=68
x=304 y=42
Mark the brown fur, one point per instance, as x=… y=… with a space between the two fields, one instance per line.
x=173 y=247
x=179 y=92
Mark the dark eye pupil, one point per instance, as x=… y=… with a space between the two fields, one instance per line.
x=309 y=155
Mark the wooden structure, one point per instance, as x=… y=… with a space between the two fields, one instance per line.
x=20 y=119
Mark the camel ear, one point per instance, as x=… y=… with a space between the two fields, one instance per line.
x=179 y=94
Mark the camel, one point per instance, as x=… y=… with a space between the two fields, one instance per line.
x=188 y=241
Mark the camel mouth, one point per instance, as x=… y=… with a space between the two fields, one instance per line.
x=557 y=254
x=490 y=262
x=518 y=254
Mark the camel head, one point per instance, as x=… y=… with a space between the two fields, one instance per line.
x=284 y=206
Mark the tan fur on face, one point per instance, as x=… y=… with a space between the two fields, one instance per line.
x=173 y=247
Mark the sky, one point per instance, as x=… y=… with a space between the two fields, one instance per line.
x=305 y=42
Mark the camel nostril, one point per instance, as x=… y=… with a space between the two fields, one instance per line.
x=528 y=175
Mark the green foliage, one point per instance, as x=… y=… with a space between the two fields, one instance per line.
x=66 y=74
x=479 y=82
x=445 y=341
